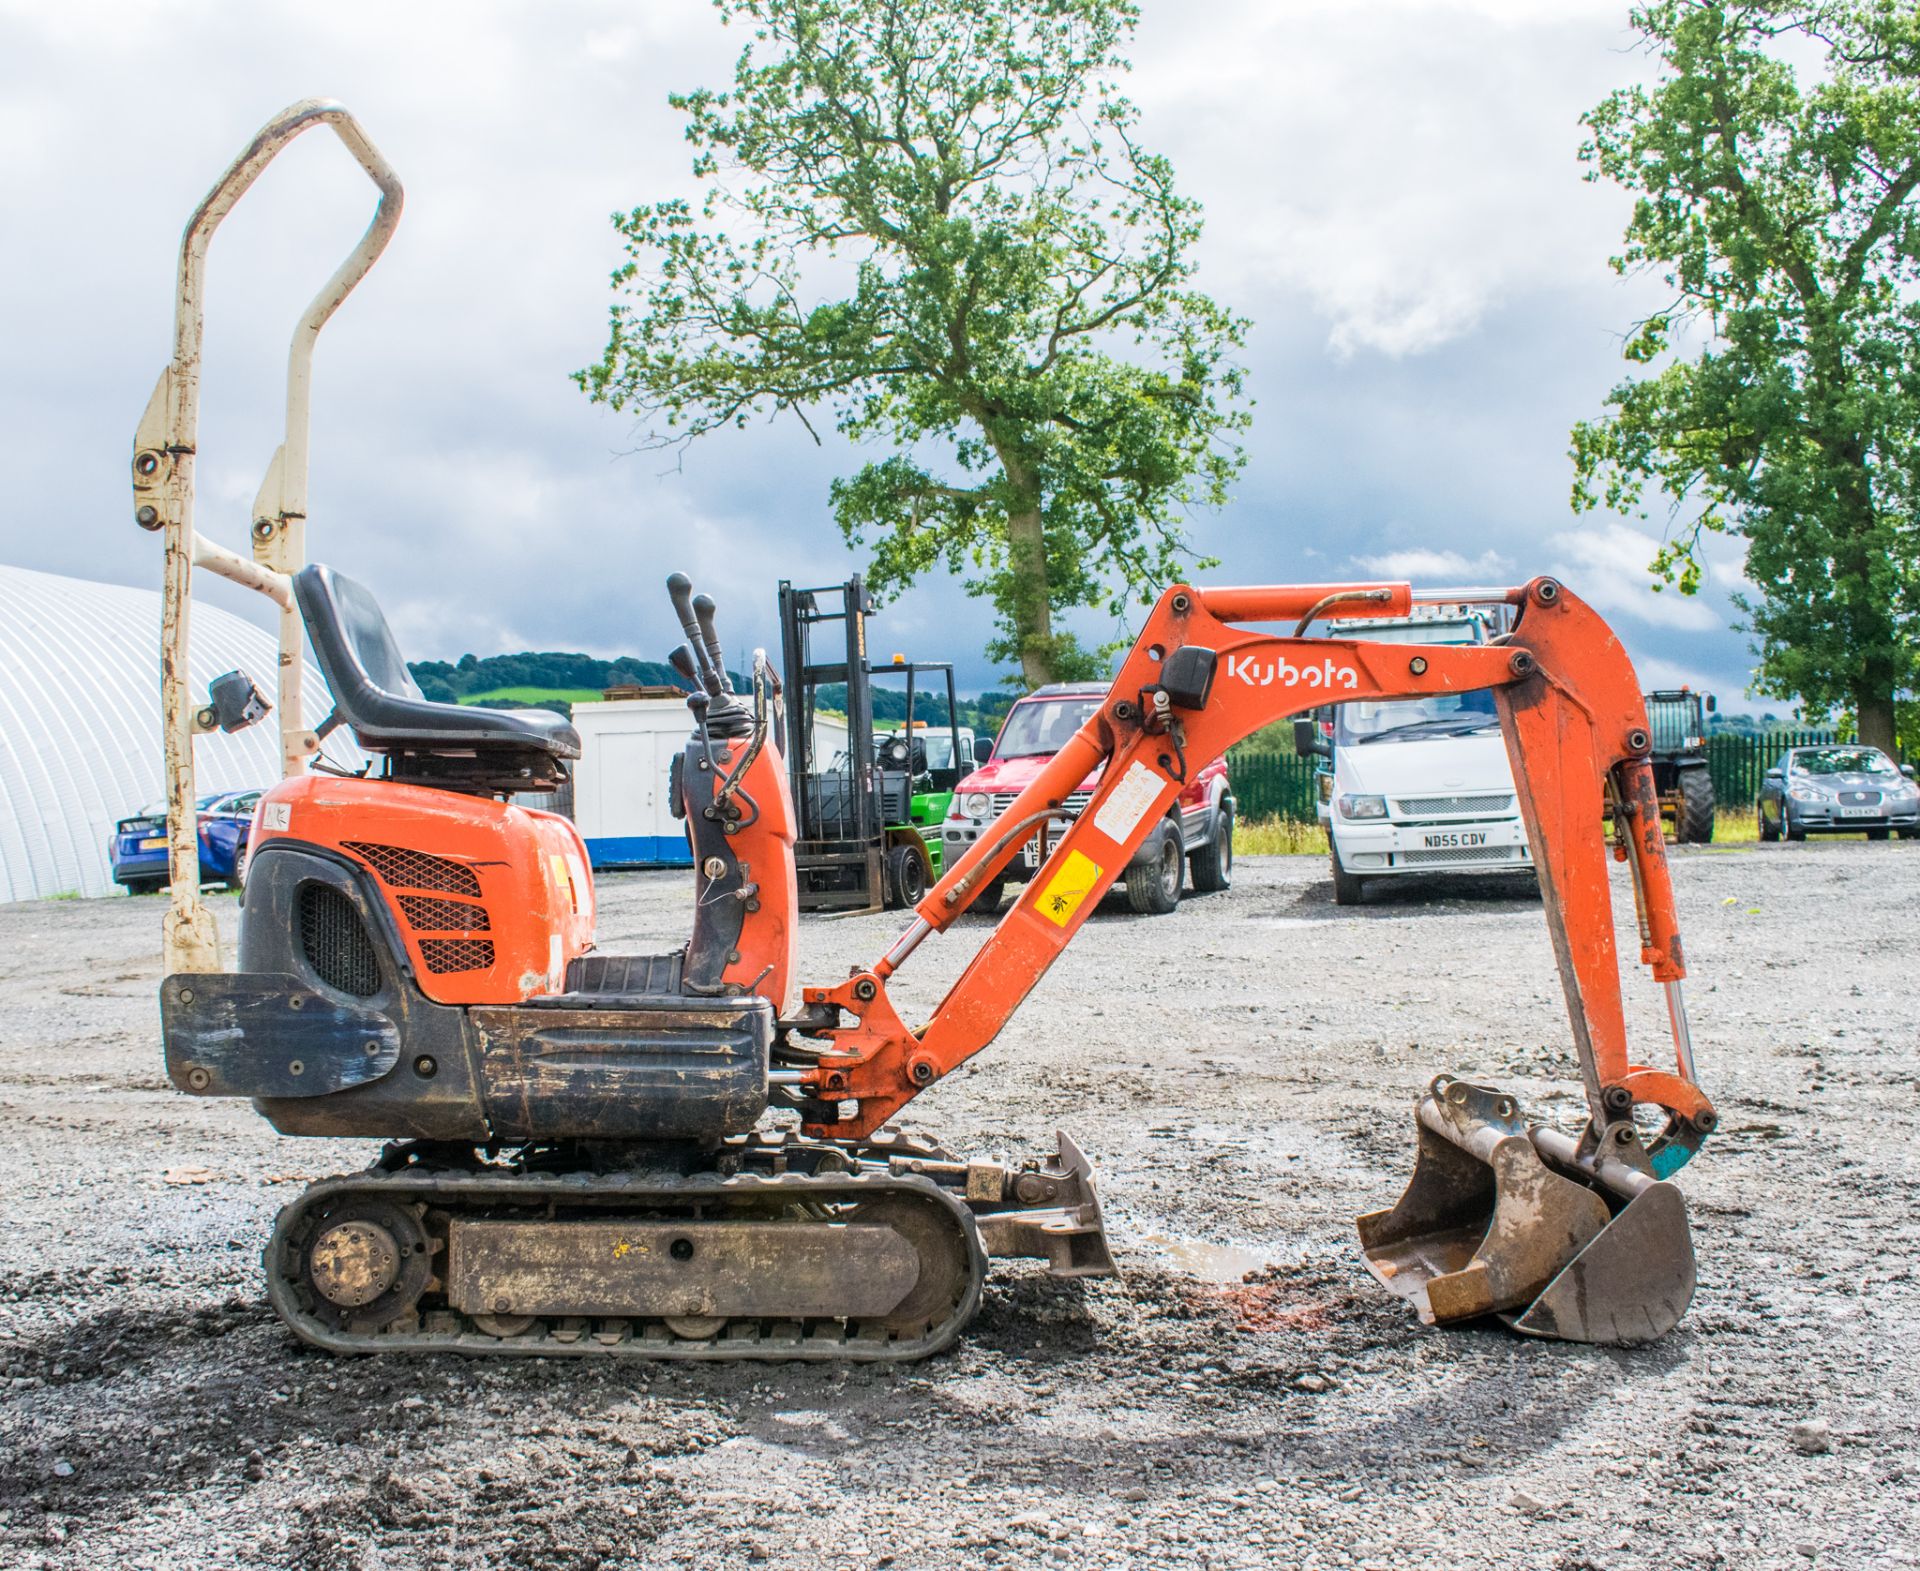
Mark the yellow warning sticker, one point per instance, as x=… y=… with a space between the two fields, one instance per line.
x=1068 y=888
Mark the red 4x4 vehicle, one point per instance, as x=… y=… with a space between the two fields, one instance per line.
x=1199 y=829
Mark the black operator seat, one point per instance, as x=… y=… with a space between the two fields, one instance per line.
x=375 y=695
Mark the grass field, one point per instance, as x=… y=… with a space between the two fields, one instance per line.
x=536 y=695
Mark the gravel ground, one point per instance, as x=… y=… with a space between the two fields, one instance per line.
x=1244 y=1073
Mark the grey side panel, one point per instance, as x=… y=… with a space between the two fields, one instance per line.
x=258 y=1034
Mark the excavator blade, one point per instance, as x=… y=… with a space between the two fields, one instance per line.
x=1068 y=1233
x=1485 y=1225
x=1500 y=1219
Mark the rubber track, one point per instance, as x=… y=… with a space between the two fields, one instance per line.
x=441 y=1330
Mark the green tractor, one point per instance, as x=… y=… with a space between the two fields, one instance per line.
x=1678 y=718
x=935 y=754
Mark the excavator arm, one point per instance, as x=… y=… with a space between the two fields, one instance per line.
x=1199 y=679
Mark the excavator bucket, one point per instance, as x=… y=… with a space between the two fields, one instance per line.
x=1500 y=1219
x=1632 y=1283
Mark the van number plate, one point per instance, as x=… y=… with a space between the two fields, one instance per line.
x=1454 y=839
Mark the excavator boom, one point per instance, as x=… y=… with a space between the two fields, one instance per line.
x=1197 y=681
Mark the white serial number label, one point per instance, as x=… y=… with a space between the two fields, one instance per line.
x=1130 y=802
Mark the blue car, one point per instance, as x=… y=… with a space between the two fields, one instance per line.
x=225 y=822
x=138 y=849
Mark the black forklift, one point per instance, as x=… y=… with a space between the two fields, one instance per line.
x=867 y=805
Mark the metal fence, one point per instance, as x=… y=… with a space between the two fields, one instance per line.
x=1280 y=785
x=1272 y=785
x=1737 y=762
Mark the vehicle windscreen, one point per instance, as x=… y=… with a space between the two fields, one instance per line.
x=1412 y=719
x=1843 y=761
x=1042 y=726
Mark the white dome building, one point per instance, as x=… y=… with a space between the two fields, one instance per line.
x=80 y=722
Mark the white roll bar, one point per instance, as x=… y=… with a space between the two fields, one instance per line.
x=163 y=455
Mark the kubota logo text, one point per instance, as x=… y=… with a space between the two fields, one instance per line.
x=1256 y=672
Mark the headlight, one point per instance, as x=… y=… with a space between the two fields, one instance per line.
x=1807 y=794
x=1352 y=806
x=977 y=804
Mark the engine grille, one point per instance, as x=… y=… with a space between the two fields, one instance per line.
x=335 y=942
x=1076 y=801
x=1465 y=854
x=1482 y=804
x=1859 y=798
x=429 y=915
x=404 y=869
x=456 y=954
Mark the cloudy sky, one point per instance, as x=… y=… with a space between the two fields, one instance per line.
x=1393 y=198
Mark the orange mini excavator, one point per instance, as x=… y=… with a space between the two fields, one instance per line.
x=588 y=1155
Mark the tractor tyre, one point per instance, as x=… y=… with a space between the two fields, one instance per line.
x=1349 y=889
x=1156 y=874
x=1693 y=823
x=1212 y=865
x=906 y=877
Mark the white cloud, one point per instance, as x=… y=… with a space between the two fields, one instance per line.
x=1423 y=565
x=1605 y=563
x=1406 y=166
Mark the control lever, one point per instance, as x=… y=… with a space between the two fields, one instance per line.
x=682 y=661
x=680 y=592
x=703 y=609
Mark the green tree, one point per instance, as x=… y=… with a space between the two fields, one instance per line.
x=946 y=233
x=1780 y=399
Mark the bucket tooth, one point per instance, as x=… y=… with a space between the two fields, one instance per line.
x=1631 y=1284
x=1484 y=1225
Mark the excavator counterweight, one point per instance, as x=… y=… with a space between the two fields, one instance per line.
x=691 y=1155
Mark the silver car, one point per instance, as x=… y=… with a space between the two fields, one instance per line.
x=1838 y=790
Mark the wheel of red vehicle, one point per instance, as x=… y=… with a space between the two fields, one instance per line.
x=987 y=901
x=1212 y=864
x=1154 y=879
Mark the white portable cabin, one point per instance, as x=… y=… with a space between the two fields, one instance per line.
x=620 y=781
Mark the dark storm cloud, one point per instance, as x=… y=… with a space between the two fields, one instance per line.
x=1393 y=200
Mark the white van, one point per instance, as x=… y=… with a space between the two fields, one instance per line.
x=1418 y=785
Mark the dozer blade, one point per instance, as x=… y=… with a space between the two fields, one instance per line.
x=1485 y=1225
x=1633 y=1282
x=1061 y=1224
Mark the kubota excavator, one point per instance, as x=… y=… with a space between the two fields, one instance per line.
x=581 y=1158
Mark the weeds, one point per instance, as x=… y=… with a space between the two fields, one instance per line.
x=1279 y=836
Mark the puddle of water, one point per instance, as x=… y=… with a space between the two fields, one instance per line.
x=1222 y=1263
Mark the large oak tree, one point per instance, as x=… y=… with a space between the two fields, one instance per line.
x=1778 y=396
x=935 y=221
